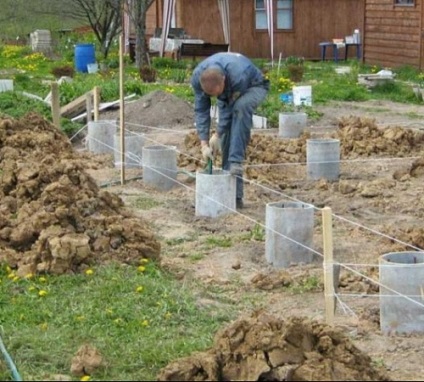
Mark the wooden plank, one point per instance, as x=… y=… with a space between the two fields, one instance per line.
x=378 y=20
x=389 y=60
x=390 y=36
x=74 y=107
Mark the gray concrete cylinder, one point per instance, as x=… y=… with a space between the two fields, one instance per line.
x=133 y=150
x=215 y=193
x=289 y=224
x=291 y=125
x=100 y=136
x=402 y=272
x=323 y=158
x=159 y=166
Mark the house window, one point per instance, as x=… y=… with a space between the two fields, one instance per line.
x=283 y=14
x=404 y=2
x=260 y=12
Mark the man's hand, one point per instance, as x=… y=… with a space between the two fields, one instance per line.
x=207 y=153
x=215 y=144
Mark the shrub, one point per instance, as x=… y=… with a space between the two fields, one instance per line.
x=65 y=70
x=147 y=74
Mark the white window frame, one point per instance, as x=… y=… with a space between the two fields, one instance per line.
x=285 y=10
x=261 y=16
x=404 y=3
x=260 y=13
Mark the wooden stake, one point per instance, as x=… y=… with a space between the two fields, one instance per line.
x=329 y=293
x=55 y=105
x=121 y=103
x=96 y=101
x=89 y=106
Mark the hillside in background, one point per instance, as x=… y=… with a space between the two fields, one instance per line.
x=18 y=18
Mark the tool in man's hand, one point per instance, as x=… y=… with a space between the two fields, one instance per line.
x=209 y=166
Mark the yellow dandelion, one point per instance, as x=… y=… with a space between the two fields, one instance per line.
x=8 y=269
x=85 y=378
x=31 y=288
x=43 y=326
x=15 y=279
x=29 y=276
x=42 y=293
x=42 y=279
x=89 y=272
x=11 y=275
x=145 y=323
x=145 y=261
x=141 y=268
x=117 y=321
x=139 y=289
x=80 y=318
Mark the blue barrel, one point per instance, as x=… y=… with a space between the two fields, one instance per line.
x=84 y=55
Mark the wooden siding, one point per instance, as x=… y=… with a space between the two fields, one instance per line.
x=392 y=35
x=314 y=21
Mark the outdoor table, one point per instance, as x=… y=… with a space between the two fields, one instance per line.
x=336 y=47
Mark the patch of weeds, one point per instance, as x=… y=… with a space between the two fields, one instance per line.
x=309 y=284
x=196 y=257
x=214 y=241
x=144 y=203
x=258 y=233
x=413 y=115
x=180 y=240
x=378 y=362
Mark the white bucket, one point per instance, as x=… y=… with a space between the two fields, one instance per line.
x=6 y=85
x=302 y=95
x=92 y=68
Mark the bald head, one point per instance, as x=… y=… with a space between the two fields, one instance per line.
x=212 y=81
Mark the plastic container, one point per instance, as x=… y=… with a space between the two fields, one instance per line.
x=92 y=68
x=302 y=95
x=356 y=36
x=84 y=55
x=286 y=97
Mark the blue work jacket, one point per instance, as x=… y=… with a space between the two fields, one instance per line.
x=240 y=75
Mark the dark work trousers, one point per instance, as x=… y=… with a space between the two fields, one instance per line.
x=235 y=123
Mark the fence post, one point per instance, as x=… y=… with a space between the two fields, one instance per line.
x=96 y=96
x=89 y=105
x=329 y=292
x=55 y=104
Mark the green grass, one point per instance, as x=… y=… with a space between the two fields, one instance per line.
x=144 y=203
x=136 y=331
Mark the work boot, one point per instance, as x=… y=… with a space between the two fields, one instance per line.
x=239 y=204
x=236 y=169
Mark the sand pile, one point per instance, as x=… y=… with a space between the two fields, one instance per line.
x=266 y=348
x=53 y=216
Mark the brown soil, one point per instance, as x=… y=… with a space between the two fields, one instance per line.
x=55 y=218
x=265 y=348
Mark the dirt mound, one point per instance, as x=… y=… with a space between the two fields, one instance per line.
x=53 y=216
x=266 y=348
x=362 y=137
x=359 y=137
x=156 y=109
